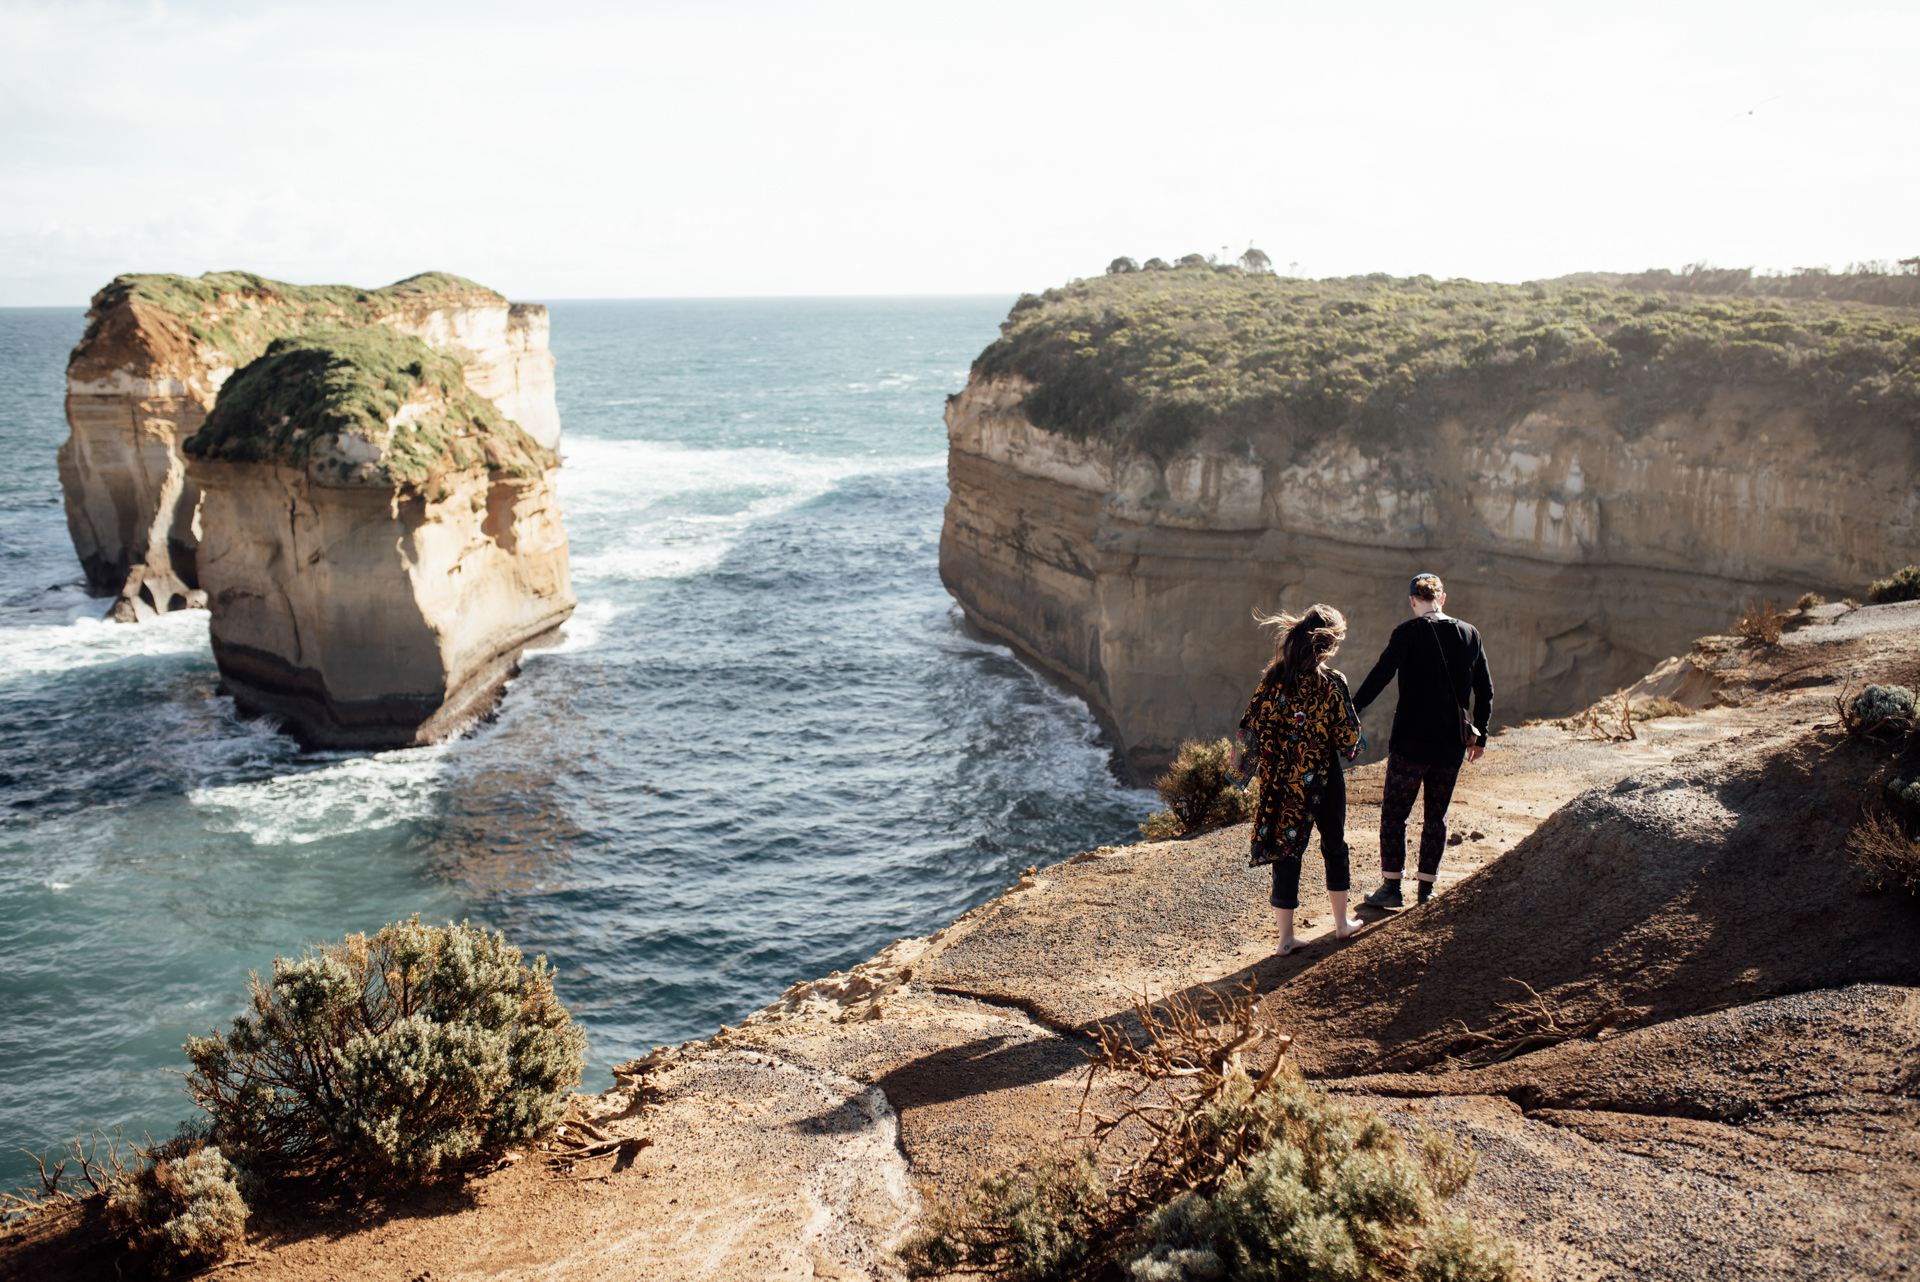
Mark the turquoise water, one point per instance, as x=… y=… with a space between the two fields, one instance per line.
x=767 y=749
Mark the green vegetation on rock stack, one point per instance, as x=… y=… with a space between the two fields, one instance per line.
x=1151 y=359
x=239 y=313
x=298 y=398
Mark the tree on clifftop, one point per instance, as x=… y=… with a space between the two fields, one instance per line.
x=1122 y=264
x=1256 y=261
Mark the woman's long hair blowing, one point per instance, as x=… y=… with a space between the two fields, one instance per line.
x=1302 y=641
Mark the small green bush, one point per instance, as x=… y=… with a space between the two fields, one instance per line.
x=1199 y=792
x=1659 y=706
x=1903 y=585
x=1330 y=1194
x=1307 y=1189
x=1883 y=703
x=1028 y=1229
x=1809 y=601
x=390 y=1057
x=181 y=1206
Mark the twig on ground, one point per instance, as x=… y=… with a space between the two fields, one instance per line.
x=1518 y=1039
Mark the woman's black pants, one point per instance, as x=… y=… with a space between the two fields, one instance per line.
x=1330 y=816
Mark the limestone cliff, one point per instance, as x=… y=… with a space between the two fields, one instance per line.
x=157 y=350
x=1589 y=523
x=378 y=543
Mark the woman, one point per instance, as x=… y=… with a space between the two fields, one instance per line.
x=1300 y=724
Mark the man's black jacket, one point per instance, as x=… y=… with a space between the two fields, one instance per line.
x=1426 y=727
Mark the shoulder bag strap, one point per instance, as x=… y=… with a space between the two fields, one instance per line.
x=1469 y=733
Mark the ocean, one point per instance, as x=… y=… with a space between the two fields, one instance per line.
x=767 y=748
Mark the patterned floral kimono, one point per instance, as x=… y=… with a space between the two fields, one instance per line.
x=1293 y=744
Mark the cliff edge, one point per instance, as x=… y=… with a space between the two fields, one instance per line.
x=1599 y=474
x=1714 y=1075
x=158 y=349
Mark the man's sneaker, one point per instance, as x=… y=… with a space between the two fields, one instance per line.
x=1388 y=896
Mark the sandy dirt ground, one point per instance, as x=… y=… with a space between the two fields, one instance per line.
x=1684 y=1040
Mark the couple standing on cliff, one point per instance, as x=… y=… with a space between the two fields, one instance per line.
x=1303 y=722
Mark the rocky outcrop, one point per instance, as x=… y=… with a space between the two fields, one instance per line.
x=155 y=355
x=1585 y=551
x=377 y=542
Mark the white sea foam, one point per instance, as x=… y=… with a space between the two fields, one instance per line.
x=677 y=511
x=359 y=794
x=87 y=641
x=583 y=629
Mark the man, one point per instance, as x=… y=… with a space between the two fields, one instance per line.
x=1437 y=659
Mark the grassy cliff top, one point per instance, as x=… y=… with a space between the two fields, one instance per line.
x=239 y=313
x=1150 y=359
x=306 y=391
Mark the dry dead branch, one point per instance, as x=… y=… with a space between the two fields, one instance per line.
x=1881 y=848
x=101 y=1161
x=1530 y=1025
x=1761 y=623
x=1165 y=1080
x=1599 y=724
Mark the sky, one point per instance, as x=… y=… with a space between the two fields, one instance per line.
x=733 y=147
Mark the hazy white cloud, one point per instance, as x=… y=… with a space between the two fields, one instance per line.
x=742 y=148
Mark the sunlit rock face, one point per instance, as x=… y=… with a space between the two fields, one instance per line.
x=1584 y=553
x=378 y=542
x=157 y=350
x=367 y=618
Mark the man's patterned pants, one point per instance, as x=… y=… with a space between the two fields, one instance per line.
x=1404 y=779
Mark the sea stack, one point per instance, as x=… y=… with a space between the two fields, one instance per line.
x=158 y=349
x=378 y=542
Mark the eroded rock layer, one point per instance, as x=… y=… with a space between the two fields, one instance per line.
x=1585 y=552
x=156 y=352
x=366 y=619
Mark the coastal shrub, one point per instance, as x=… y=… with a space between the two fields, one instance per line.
x=1880 y=847
x=1761 y=623
x=1254 y=351
x=1331 y=1193
x=1198 y=791
x=1902 y=585
x=1878 y=712
x=238 y=313
x=1226 y=1176
x=181 y=1205
x=1809 y=601
x=390 y=1057
x=1659 y=706
x=1025 y=1227
x=306 y=391
x=1122 y=264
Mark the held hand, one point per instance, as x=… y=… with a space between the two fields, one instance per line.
x=1473 y=753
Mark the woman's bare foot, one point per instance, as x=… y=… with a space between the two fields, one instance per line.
x=1283 y=927
x=1344 y=927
